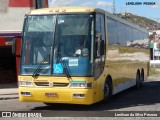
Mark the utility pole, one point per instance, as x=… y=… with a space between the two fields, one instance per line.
x=114 y=7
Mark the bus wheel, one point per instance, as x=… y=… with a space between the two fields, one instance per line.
x=138 y=80
x=107 y=91
x=142 y=77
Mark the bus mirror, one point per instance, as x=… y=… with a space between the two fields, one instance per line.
x=99 y=45
x=97 y=50
x=16 y=46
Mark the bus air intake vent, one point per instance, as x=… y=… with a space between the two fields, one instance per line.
x=51 y=84
x=42 y=83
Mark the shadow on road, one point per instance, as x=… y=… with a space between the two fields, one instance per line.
x=8 y=85
x=148 y=94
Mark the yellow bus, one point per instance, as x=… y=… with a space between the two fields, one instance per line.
x=80 y=55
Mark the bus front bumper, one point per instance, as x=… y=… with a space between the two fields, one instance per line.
x=52 y=95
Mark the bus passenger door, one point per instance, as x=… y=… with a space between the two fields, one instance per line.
x=99 y=56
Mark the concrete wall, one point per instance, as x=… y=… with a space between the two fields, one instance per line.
x=12 y=20
x=12 y=13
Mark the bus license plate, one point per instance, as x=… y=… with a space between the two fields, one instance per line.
x=51 y=94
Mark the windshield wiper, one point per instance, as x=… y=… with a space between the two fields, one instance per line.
x=38 y=69
x=64 y=66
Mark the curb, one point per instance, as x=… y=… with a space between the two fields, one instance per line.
x=8 y=91
x=8 y=86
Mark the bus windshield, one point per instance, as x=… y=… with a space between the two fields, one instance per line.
x=57 y=44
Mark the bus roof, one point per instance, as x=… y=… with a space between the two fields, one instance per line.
x=63 y=10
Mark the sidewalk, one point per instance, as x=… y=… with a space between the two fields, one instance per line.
x=153 y=78
x=8 y=91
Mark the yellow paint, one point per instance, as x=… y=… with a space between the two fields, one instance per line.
x=62 y=10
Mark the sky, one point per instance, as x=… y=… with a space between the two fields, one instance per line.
x=121 y=6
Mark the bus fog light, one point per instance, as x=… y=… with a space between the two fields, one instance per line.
x=78 y=95
x=25 y=93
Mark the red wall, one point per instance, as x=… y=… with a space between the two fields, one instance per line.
x=2 y=41
x=26 y=3
x=20 y=3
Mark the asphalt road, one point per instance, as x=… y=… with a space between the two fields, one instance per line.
x=145 y=99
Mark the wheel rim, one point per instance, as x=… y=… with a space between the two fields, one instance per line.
x=107 y=90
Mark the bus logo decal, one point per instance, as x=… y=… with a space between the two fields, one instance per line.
x=58 y=68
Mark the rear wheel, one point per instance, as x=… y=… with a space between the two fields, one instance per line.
x=138 y=80
x=107 y=90
x=142 y=77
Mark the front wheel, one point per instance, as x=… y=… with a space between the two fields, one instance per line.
x=107 y=91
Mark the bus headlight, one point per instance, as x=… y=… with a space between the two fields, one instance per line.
x=80 y=85
x=25 y=84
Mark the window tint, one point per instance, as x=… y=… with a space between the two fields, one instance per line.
x=135 y=34
x=98 y=23
x=102 y=27
x=129 y=34
x=40 y=23
x=124 y=35
x=121 y=33
x=112 y=31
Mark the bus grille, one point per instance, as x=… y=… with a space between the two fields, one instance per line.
x=42 y=83
x=51 y=84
